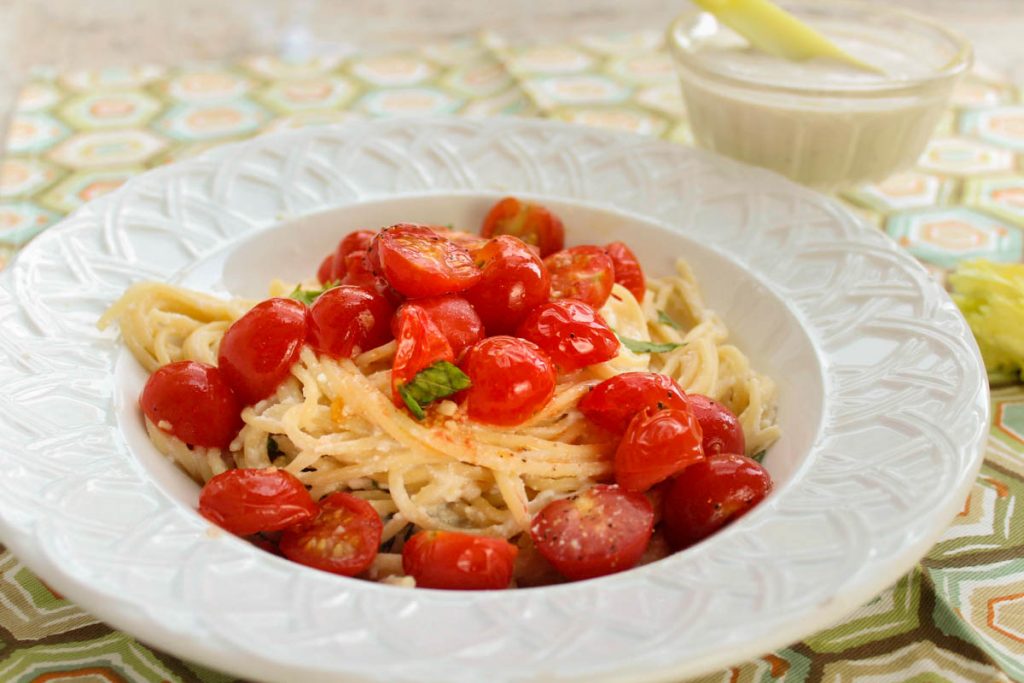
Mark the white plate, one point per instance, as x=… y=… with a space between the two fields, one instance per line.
x=883 y=402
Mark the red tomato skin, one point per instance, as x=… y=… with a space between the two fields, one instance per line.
x=346 y=319
x=721 y=427
x=259 y=349
x=657 y=445
x=455 y=561
x=325 y=273
x=195 y=399
x=571 y=332
x=600 y=531
x=358 y=273
x=512 y=380
x=418 y=262
x=248 y=501
x=532 y=223
x=628 y=272
x=614 y=402
x=514 y=281
x=420 y=345
x=358 y=240
x=343 y=519
x=711 y=494
x=452 y=314
x=585 y=273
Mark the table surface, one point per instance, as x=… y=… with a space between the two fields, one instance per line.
x=75 y=133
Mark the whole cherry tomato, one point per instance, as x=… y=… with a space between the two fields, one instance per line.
x=452 y=314
x=259 y=349
x=532 y=223
x=359 y=274
x=192 y=402
x=348 y=320
x=418 y=262
x=420 y=345
x=514 y=281
x=454 y=561
x=325 y=273
x=600 y=531
x=343 y=539
x=248 y=501
x=628 y=272
x=721 y=428
x=614 y=402
x=657 y=444
x=711 y=494
x=571 y=332
x=585 y=273
x=512 y=380
x=359 y=240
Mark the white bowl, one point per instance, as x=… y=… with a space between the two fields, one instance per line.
x=883 y=404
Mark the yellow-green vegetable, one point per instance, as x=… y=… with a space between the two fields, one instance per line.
x=771 y=29
x=991 y=297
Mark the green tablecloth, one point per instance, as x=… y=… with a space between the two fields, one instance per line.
x=959 y=616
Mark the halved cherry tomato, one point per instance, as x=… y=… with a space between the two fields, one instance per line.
x=571 y=333
x=711 y=494
x=454 y=561
x=721 y=428
x=325 y=273
x=418 y=262
x=514 y=281
x=628 y=272
x=452 y=314
x=614 y=402
x=657 y=444
x=248 y=501
x=532 y=223
x=259 y=349
x=420 y=345
x=600 y=531
x=192 y=402
x=472 y=243
x=512 y=380
x=358 y=273
x=585 y=273
x=346 y=319
x=343 y=539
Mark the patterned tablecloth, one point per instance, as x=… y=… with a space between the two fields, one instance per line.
x=959 y=616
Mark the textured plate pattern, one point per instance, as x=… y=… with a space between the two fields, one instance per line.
x=906 y=413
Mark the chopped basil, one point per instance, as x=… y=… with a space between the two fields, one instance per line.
x=308 y=296
x=437 y=381
x=640 y=346
x=665 y=320
x=759 y=456
x=273 y=450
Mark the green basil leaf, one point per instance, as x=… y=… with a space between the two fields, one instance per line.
x=640 y=346
x=759 y=456
x=665 y=320
x=308 y=296
x=436 y=381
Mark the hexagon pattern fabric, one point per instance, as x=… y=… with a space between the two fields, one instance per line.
x=77 y=135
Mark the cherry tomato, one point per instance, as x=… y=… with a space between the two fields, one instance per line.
x=418 y=262
x=514 y=281
x=347 y=320
x=343 y=539
x=614 y=402
x=571 y=333
x=248 y=501
x=358 y=240
x=584 y=273
x=192 y=402
x=472 y=243
x=359 y=274
x=512 y=380
x=628 y=272
x=711 y=494
x=601 y=531
x=325 y=273
x=454 y=561
x=452 y=314
x=657 y=444
x=420 y=345
x=259 y=349
x=721 y=428
x=532 y=223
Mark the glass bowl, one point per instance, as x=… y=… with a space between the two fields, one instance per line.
x=820 y=122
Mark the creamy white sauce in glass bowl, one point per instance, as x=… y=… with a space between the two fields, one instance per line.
x=820 y=122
